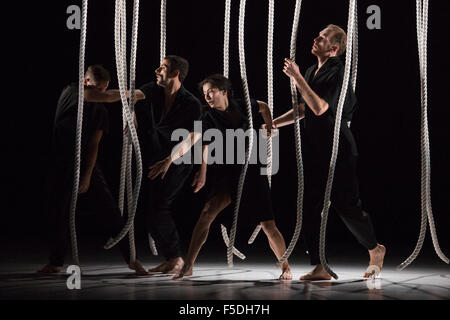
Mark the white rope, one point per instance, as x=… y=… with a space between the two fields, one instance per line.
x=239 y=254
x=355 y=49
x=120 y=45
x=226 y=50
x=162 y=55
x=298 y=146
x=79 y=128
x=337 y=128
x=250 y=120
x=269 y=102
x=226 y=39
x=422 y=34
x=162 y=39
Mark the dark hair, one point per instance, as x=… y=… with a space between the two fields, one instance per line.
x=180 y=64
x=218 y=81
x=100 y=73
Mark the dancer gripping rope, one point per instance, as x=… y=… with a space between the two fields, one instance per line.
x=320 y=90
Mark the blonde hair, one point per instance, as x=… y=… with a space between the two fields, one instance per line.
x=338 y=38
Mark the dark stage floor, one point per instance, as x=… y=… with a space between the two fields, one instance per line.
x=106 y=277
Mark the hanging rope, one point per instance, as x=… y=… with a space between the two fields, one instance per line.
x=227 y=242
x=226 y=50
x=337 y=127
x=162 y=39
x=269 y=101
x=226 y=38
x=76 y=173
x=355 y=49
x=162 y=55
x=135 y=194
x=298 y=146
x=422 y=35
x=250 y=120
x=120 y=45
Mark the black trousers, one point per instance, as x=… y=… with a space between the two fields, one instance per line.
x=161 y=194
x=344 y=199
x=98 y=196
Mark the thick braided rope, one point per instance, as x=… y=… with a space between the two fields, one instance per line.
x=337 y=127
x=250 y=120
x=423 y=222
x=79 y=128
x=426 y=141
x=238 y=254
x=355 y=55
x=226 y=59
x=422 y=31
x=162 y=39
x=126 y=169
x=355 y=50
x=130 y=119
x=226 y=39
x=119 y=33
x=162 y=55
x=134 y=195
x=269 y=101
x=298 y=146
x=426 y=158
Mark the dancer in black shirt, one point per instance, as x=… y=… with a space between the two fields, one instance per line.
x=320 y=90
x=224 y=113
x=93 y=186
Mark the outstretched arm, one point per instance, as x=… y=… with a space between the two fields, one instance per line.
x=288 y=117
x=161 y=167
x=314 y=102
x=112 y=95
x=265 y=113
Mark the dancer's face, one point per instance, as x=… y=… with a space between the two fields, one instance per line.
x=322 y=46
x=90 y=82
x=214 y=96
x=163 y=74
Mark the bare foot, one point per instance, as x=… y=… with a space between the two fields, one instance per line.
x=138 y=268
x=172 y=266
x=186 y=271
x=318 y=273
x=49 y=269
x=285 y=272
x=376 y=259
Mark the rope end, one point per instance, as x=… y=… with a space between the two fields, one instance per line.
x=109 y=244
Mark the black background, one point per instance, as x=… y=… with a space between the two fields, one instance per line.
x=42 y=57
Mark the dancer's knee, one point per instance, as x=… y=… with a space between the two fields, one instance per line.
x=269 y=228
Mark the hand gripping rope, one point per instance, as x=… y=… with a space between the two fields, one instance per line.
x=120 y=45
x=352 y=16
x=422 y=30
x=269 y=102
x=79 y=128
x=226 y=58
x=298 y=146
x=250 y=120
